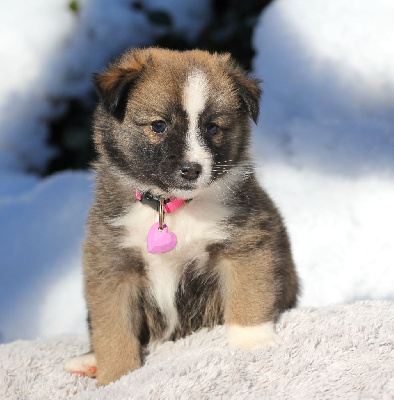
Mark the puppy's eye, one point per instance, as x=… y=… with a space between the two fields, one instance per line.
x=159 y=127
x=212 y=129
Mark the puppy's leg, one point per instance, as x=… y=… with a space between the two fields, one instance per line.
x=115 y=323
x=249 y=293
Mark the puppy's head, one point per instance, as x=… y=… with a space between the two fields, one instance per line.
x=174 y=122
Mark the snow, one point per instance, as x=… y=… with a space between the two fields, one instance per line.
x=326 y=139
x=324 y=145
x=40 y=236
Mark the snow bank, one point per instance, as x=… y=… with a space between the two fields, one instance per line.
x=329 y=82
x=40 y=235
x=326 y=137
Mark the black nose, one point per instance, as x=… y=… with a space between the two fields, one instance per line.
x=190 y=171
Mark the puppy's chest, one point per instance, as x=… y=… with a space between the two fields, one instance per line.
x=195 y=225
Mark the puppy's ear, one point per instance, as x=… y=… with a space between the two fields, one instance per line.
x=248 y=88
x=250 y=93
x=114 y=85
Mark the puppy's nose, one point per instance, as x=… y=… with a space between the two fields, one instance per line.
x=190 y=171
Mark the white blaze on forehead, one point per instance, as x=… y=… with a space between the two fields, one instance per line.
x=195 y=93
x=195 y=98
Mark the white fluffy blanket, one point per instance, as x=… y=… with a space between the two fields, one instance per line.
x=337 y=352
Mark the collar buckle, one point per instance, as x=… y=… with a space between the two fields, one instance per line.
x=152 y=201
x=169 y=205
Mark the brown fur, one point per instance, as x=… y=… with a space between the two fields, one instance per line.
x=246 y=280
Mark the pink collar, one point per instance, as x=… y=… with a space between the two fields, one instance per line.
x=152 y=201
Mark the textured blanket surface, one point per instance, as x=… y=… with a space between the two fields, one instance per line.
x=336 y=352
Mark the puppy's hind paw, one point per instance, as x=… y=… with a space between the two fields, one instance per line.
x=252 y=337
x=85 y=365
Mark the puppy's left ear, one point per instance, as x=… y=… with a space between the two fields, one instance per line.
x=248 y=88
x=250 y=94
x=114 y=85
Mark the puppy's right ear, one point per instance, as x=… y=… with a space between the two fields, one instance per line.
x=114 y=85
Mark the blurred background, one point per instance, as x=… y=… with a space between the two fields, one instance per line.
x=324 y=145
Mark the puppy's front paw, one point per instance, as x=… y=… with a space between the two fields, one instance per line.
x=252 y=337
x=85 y=365
x=107 y=375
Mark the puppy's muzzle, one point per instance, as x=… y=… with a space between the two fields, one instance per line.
x=190 y=171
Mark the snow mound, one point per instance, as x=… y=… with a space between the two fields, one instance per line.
x=326 y=138
x=41 y=235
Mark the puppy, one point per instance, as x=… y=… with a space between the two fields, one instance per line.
x=180 y=235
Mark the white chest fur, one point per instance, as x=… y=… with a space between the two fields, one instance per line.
x=196 y=224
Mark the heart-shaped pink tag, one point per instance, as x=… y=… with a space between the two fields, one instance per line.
x=160 y=241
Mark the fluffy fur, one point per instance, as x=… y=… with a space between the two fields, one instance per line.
x=232 y=263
